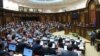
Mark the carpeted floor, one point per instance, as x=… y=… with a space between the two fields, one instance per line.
x=91 y=50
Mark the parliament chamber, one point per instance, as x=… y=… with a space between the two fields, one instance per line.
x=49 y=27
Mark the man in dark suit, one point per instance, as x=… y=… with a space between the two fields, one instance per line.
x=70 y=52
x=93 y=36
x=2 y=53
x=37 y=48
x=48 y=50
x=98 y=35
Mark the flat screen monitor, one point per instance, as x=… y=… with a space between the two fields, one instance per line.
x=52 y=40
x=45 y=41
x=27 y=52
x=30 y=40
x=12 y=47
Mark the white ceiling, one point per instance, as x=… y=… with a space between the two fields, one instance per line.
x=46 y=1
x=52 y=4
x=43 y=4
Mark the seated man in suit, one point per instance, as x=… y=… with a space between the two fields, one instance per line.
x=76 y=49
x=48 y=50
x=60 y=51
x=37 y=48
x=2 y=52
x=98 y=35
x=70 y=51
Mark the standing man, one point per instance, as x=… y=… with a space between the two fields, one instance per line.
x=93 y=36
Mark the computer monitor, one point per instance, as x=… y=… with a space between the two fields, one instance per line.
x=52 y=40
x=27 y=52
x=45 y=41
x=12 y=47
x=30 y=40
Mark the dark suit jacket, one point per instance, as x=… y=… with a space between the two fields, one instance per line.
x=2 y=53
x=70 y=53
x=49 y=51
x=37 y=49
x=98 y=35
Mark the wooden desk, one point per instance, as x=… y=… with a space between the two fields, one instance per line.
x=52 y=30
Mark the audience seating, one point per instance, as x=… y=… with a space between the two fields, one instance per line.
x=37 y=35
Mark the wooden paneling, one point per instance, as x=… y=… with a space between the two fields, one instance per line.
x=98 y=16
x=0 y=20
x=80 y=25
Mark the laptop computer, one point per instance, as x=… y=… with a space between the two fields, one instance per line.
x=12 y=47
x=27 y=51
